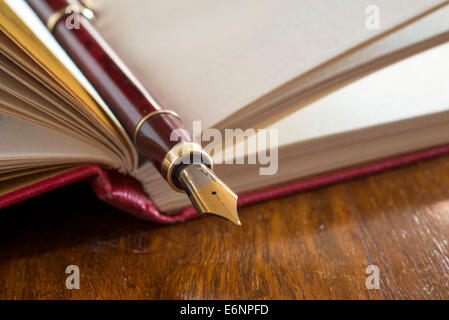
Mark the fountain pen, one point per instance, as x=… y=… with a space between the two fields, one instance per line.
x=184 y=164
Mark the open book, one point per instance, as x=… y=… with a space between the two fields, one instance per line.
x=339 y=91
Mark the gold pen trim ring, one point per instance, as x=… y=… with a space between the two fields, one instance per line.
x=148 y=116
x=69 y=9
x=179 y=152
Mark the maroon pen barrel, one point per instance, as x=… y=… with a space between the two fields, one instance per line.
x=121 y=91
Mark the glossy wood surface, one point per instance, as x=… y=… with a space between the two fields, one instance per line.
x=313 y=245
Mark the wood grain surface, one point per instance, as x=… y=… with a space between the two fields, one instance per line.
x=313 y=245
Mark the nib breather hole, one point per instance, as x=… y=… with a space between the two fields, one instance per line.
x=214 y=193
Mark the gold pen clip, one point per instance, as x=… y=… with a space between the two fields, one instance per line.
x=83 y=10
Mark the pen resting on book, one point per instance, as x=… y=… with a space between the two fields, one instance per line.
x=183 y=163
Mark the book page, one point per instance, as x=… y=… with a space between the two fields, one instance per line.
x=400 y=109
x=411 y=88
x=207 y=59
x=24 y=180
x=30 y=45
x=24 y=145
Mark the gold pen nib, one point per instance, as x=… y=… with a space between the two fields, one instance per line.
x=208 y=193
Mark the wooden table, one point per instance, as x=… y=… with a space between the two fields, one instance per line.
x=313 y=245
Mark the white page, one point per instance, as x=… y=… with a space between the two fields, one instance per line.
x=404 y=91
x=21 y=142
x=208 y=58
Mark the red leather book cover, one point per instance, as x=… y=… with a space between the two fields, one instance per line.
x=125 y=193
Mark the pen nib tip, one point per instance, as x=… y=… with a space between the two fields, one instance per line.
x=208 y=193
